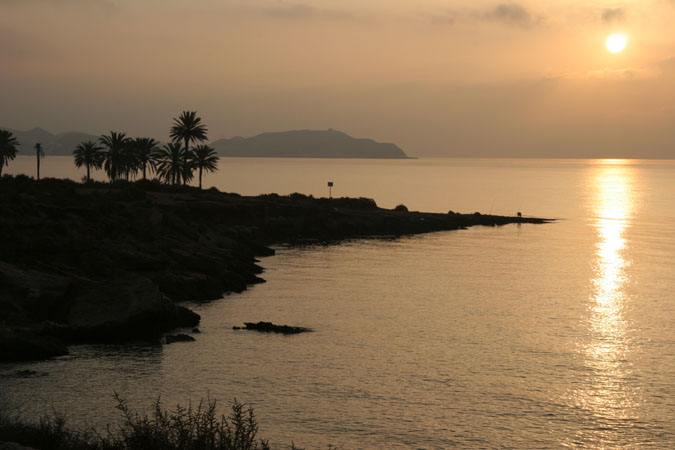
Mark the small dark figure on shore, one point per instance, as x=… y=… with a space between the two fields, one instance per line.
x=520 y=215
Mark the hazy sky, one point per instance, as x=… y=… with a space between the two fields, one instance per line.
x=437 y=77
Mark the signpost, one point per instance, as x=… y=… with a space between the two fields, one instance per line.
x=330 y=189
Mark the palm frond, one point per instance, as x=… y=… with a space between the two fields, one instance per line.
x=188 y=128
x=8 y=147
x=169 y=163
x=205 y=157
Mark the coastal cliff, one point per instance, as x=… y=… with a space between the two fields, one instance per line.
x=109 y=263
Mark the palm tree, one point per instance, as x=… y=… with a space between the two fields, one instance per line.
x=170 y=163
x=130 y=163
x=8 y=144
x=114 y=161
x=39 y=154
x=145 y=149
x=205 y=159
x=90 y=155
x=188 y=128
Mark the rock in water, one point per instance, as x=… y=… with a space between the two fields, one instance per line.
x=269 y=327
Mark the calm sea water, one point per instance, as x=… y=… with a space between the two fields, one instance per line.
x=526 y=337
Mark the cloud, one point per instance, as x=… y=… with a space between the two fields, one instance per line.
x=668 y=65
x=628 y=73
x=21 y=44
x=613 y=15
x=438 y=19
x=511 y=14
x=106 y=6
x=665 y=67
x=103 y=3
x=303 y=11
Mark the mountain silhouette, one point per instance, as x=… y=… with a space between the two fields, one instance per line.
x=53 y=144
x=285 y=144
x=306 y=144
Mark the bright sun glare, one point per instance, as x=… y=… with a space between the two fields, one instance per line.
x=616 y=43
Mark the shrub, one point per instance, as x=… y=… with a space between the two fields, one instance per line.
x=401 y=208
x=348 y=202
x=183 y=428
x=299 y=196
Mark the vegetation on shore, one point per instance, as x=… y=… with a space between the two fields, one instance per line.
x=180 y=428
x=125 y=158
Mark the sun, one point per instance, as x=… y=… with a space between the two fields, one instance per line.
x=616 y=43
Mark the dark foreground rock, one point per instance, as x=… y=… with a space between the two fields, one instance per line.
x=108 y=263
x=27 y=345
x=124 y=308
x=14 y=446
x=269 y=327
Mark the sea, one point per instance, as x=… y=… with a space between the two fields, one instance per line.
x=551 y=336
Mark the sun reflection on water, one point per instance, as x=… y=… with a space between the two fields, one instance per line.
x=607 y=392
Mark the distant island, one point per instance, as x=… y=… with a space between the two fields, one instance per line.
x=307 y=144
x=285 y=144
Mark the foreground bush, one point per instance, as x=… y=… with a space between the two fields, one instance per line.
x=182 y=428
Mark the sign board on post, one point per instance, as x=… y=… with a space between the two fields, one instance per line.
x=330 y=189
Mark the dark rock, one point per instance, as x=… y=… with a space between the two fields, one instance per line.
x=33 y=284
x=259 y=249
x=31 y=294
x=233 y=281
x=27 y=373
x=401 y=208
x=182 y=286
x=24 y=345
x=14 y=446
x=128 y=307
x=269 y=327
x=171 y=338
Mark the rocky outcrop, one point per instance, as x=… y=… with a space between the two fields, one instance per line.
x=107 y=263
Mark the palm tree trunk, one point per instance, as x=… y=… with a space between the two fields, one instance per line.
x=185 y=158
x=200 y=178
x=38 y=164
x=88 y=177
x=144 y=164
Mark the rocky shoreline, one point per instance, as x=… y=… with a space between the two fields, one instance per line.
x=82 y=263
